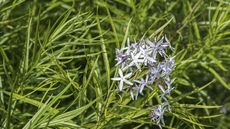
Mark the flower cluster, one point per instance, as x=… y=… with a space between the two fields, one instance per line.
x=143 y=64
x=145 y=56
x=157 y=113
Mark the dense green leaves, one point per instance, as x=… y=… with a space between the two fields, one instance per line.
x=57 y=58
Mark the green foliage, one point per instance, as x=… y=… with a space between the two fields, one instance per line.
x=57 y=58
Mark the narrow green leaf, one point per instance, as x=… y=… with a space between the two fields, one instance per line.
x=189 y=120
x=161 y=28
x=30 y=101
x=217 y=62
x=104 y=54
x=65 y=117
x=216 y=75
x=113 y=27
x=126 y=34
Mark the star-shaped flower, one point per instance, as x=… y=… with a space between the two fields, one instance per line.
x=143 y=83
x=160 y=47
x=155 y=72
x=135 y=61
x=123 y=79
x=157 y=115
x=168 y=66
x=121 y=57
x=146 y=54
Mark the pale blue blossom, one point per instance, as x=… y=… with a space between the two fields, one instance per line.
x=143 y=83
x=157 y=115
x=136 y=60
x=123 y=79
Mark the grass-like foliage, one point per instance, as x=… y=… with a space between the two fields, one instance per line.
x=57 y=58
